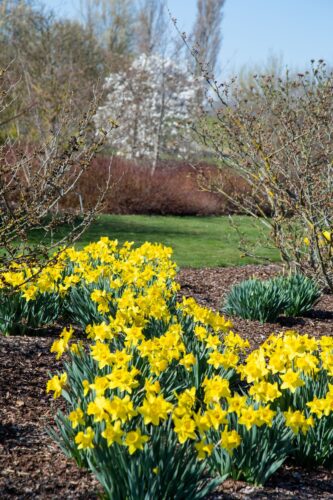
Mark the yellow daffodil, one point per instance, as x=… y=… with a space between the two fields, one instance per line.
x=135 y=441
x=56 y=384
x=76 y=417
x=291 y=380
x=113 y=433
x=154 y=409
x=230 y=440
x=204 y=449
x=84 y=440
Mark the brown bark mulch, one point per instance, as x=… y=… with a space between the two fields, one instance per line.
x=210 y=286
x=32 y=466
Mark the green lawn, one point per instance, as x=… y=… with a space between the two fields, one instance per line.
x=196 y=241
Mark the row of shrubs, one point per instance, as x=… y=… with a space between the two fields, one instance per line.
x=162 y=399
x=172 y=189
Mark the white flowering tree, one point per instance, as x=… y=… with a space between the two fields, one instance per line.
x=152 y=104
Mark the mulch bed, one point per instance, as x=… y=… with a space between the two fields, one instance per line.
x=210 y=286
x=32 y=466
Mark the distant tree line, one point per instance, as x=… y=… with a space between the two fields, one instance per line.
x=53 y=73
x=53 y=63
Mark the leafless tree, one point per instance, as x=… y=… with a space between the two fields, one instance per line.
x=112 y=23
x=47 y=59
x=151 y=27
x=206 y=35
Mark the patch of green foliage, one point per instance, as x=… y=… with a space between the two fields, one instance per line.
x=256 y=300
x=292 y=295
x=303 y=293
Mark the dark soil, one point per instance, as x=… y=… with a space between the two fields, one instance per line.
x=32 y=466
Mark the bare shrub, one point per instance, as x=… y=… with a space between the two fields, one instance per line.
x=278 y=137
x=35 y=178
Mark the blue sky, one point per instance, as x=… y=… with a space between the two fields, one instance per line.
x=297 y=30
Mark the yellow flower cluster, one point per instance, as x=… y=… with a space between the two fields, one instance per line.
x=155 y=362
x=121 y=265
x=286 y=362
x=143 y=327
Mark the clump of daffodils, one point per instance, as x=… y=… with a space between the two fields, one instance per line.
x=163 y=393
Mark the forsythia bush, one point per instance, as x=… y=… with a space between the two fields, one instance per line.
x=162 y=399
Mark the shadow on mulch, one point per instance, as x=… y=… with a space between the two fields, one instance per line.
x=289 y=482
x=32 y=466
x=12 y=435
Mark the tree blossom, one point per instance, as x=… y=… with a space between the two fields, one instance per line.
x=151 y=103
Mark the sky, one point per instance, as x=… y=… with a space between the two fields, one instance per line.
x=294 y=30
